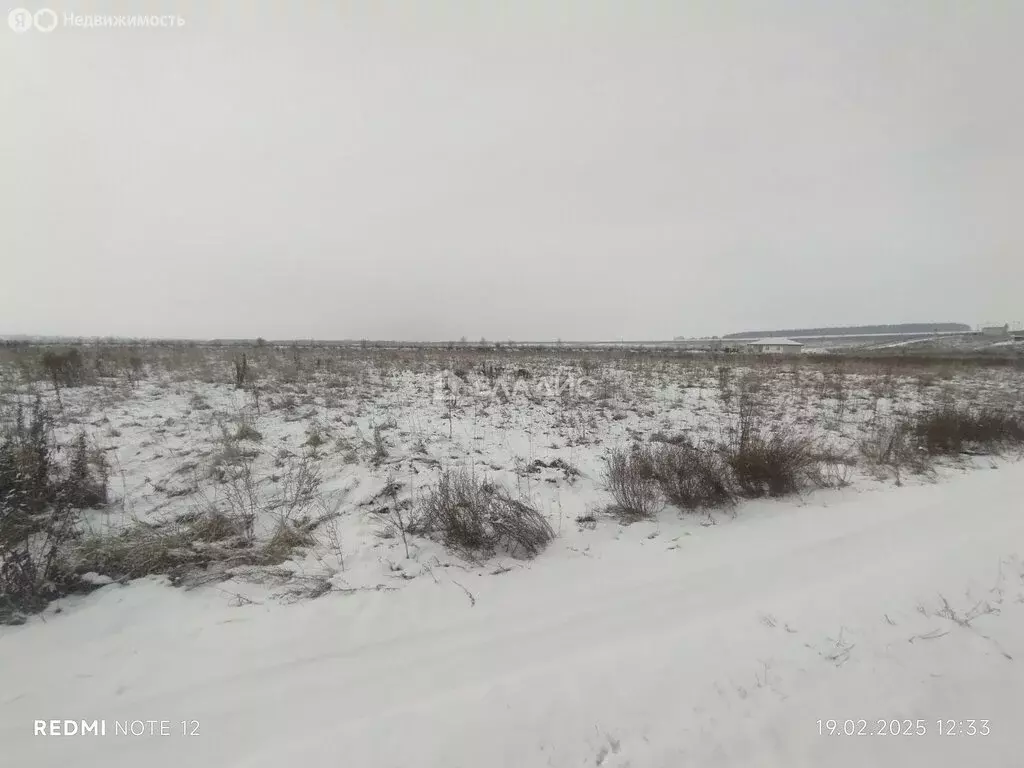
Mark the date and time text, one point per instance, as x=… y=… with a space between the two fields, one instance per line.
x=901 y=727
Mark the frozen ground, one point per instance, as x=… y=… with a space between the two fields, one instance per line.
x=718 y=645
x=696 y=639
x=540 y=426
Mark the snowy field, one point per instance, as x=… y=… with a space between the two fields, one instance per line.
x=758 y=633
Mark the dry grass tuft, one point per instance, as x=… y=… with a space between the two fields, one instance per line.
x=478 y=518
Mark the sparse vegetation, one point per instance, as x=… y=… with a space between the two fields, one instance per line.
x=315 y=437
x=380 y=446
x=706 y=476
x=399 y=515
x=224 y=478
x=246 y=430
x=633 y=483
x=478 y=518
x=40 y=501
x=692 y=477
x=138 y=550
x=889 y=445
x=241 y=371
x=912 y=443
x=951 y=429
x=775 y=464
x=64 y=369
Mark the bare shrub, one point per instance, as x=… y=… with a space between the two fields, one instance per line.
x=238 y=493
x=380 y=446
x=314 y=437
x=692 y=477
x=216 y=525
x=287 y=537
x=26 y=465
x=724 y=382
x=399 y=516
x=704 y=476
x=832 y=468
x=64 y=369
x=767 y=458
x=631 y=478
x=774 y=464
x=241 y=371
x=328 y=523
x=298 y=491
x=889 y=444
x=86 y=482
x=246 y=430
x=478 y=518
x=40 y=501
x=951 y=429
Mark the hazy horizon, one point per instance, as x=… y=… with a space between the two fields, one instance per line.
x=471 y=341
x=585 y=171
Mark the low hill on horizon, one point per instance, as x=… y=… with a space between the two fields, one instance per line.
x=856 y=330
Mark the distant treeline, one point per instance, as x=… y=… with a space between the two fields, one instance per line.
x=857 y=330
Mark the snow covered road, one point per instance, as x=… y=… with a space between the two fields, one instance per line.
x=662 y=645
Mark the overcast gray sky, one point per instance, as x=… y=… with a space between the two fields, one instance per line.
x=582 y=169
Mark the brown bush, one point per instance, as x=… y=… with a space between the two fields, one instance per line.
x=952 y=429
x=776 y=464
x=478 y=518
x=632 y=480
x=693 y=477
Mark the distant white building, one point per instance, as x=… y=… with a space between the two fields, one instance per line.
x=996 y=330
x=771 y=346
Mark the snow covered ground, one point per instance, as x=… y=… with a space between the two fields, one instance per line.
x=718 y=645
x=698 y=639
